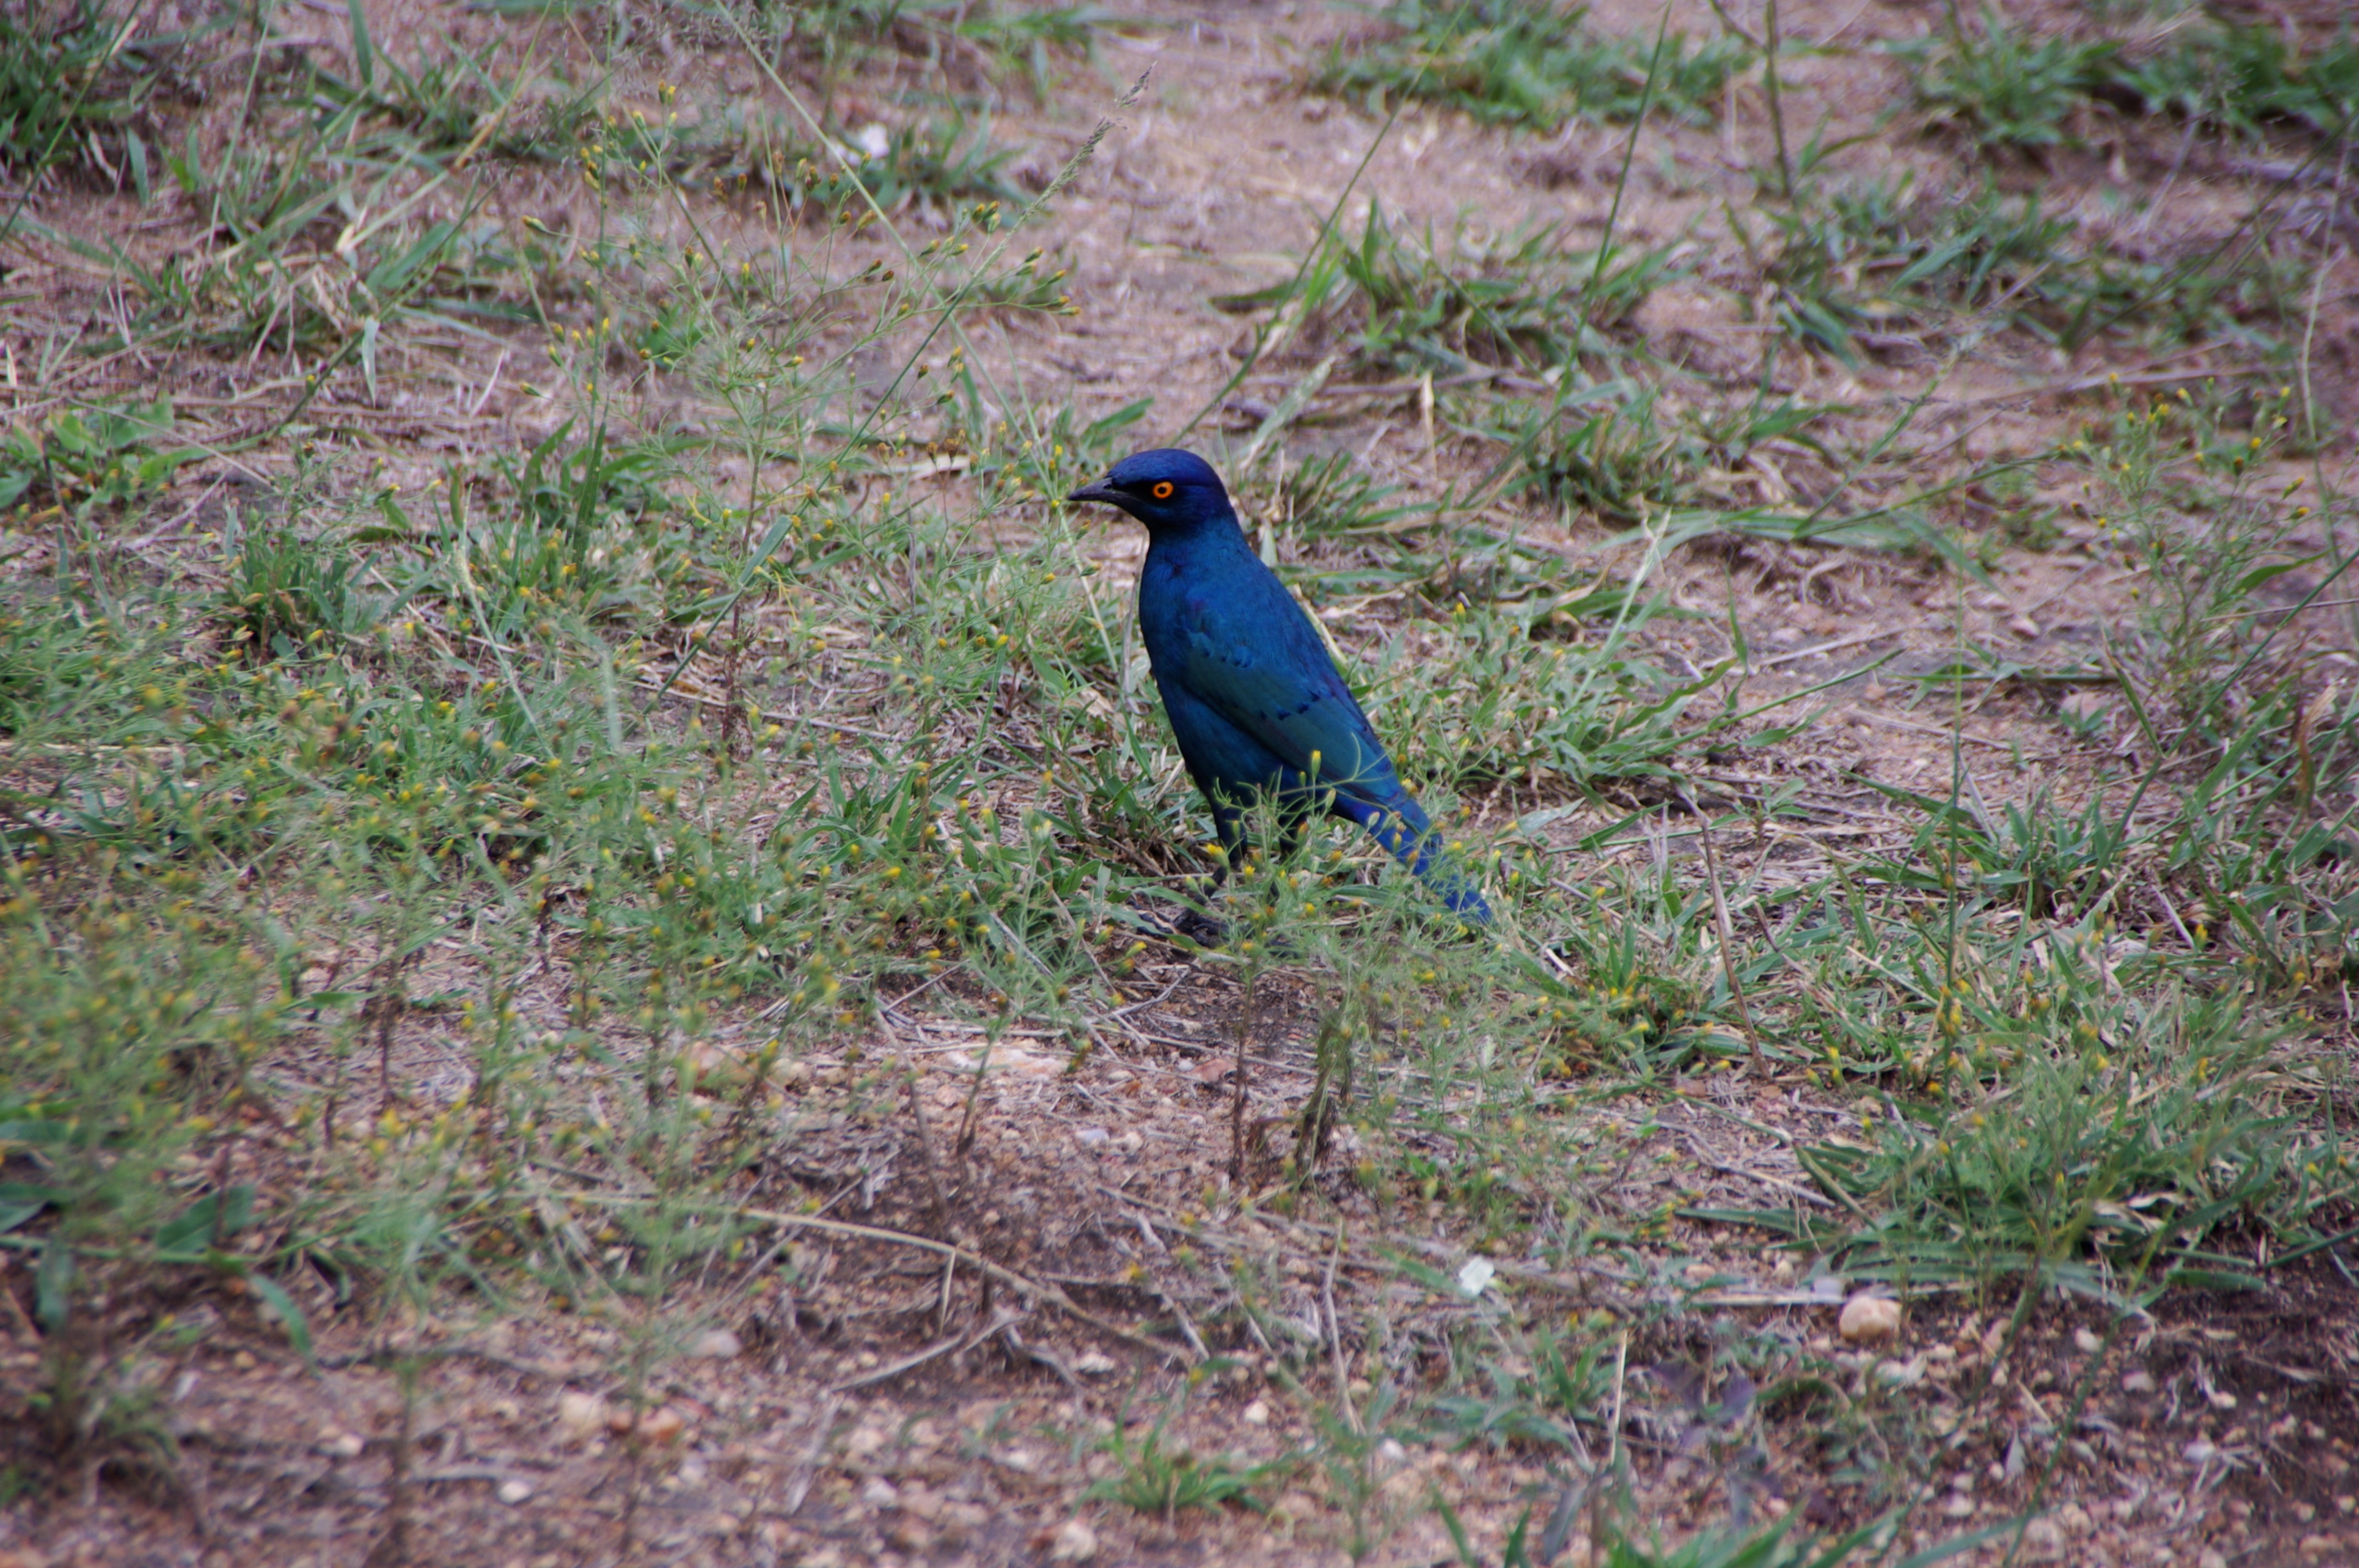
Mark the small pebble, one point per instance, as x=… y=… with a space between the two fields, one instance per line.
x=580 y=1417
x=1868 y=1320
x=1075 y=1542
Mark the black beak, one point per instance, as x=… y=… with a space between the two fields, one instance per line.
x=1100 y=491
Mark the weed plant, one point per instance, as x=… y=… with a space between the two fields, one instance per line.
x=1878 y=257
x=2014 y=93
x=1396 y=305
x=1877 y=262
x=1527 y=62
x=2245 y=79
x=2216 y=557
x=1999 y=85
x=76 y=81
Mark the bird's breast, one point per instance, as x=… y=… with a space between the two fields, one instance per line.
x=1165 y=615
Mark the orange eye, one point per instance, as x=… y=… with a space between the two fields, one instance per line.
x=1162 y=490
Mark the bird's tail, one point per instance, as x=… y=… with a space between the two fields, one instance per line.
x=1401 y=826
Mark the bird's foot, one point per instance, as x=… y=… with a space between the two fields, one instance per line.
x=1188 y=925
x=1201 y=928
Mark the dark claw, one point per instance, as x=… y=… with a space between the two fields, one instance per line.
x=1201 y=928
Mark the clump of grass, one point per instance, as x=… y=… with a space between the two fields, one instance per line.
x=2084 y=1133
x=1156 y=1476
x=75 y=81
x=1879 y=259
x=101 y=456
x=1484 y=701
x=268 y=280
x=444 y=97
x=1535 y=1396
x=2196 y=651
x=1528 y=62
x=1399 y=306
x=2242 y=79
x=1877 y=256
x=728 y=148
x=1609 y=449
x=135 y=1016
x=1999 y=87
x=2009 y=93
x=1604 y=452
x=2128 y=1137
x=285 y=592
x=974 y=47
x=1335 y=498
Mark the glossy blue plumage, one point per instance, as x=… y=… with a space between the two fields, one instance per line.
x=1255 y=702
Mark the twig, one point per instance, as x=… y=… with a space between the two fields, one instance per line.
x=1335 y=1336
x=1853 y=641
x=1290 y=407
x=798 y=1485
x=1697 y=1153
x=982 y=1265
x=1237 y=1106
x=1613 y=1431
x=925 y=1149
x=1727 y=931
x=1891 y=722
x=2176 y=923
x=781 y=720
x=1004 y=1318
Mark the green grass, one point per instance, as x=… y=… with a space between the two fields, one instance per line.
x=102 y=456
x=1879 y=256
x=2243 y=79
x=1874 y=260
x=75 y=75
x=971 y=51
x=726 y=149
x=1154 y=1476
x=2012 y=92
x=1390 y=304
x=1527 y=62
x=2000 y=86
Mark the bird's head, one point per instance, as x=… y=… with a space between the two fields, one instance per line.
x=1166 y=488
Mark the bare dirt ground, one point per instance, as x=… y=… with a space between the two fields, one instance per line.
x=988 y=1279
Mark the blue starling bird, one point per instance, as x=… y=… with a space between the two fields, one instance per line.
x=1255 y=702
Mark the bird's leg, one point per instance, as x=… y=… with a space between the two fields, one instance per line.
x=1229 y=822
x=1293 y=822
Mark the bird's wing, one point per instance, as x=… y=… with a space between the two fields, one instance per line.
x=1255 y=658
